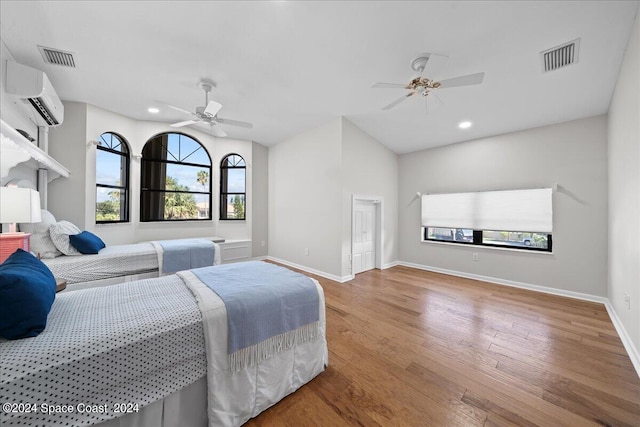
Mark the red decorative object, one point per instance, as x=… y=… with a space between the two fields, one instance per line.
x=11 y=242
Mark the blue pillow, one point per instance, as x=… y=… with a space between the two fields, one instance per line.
x=27 y=291
x=86 y=242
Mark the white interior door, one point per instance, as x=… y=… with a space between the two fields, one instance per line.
x=364 y=238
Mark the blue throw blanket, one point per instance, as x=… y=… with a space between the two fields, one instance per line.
x=185 y=254
x=262 y=300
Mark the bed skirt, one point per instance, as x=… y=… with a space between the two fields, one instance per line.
x=184 y=408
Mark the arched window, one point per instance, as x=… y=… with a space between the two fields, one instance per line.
x=232 y=187
x=175 y=180
x=112 y=179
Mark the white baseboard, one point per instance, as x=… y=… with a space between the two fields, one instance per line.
x=512 y=283
x=312 y=270
x=632 y=351
x=390 y=264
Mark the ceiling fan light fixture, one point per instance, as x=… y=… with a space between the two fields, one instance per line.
x=464 y=125
x=427 y=64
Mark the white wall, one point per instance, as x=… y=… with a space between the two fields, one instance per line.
x=572 y=155
x=624 y=191
x=74 y=198
x=260 y=200
x=67 y=197
x=368 y=168
x=312 y=178
x=305 y=199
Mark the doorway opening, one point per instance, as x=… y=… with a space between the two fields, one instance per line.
x=366 y=233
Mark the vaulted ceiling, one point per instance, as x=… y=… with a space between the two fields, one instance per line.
x=287 y=66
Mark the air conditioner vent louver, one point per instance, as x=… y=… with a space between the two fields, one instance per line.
x=560 y=56
x=39 y=105
x=57 y=57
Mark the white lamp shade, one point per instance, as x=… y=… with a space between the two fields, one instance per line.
x=19 y=205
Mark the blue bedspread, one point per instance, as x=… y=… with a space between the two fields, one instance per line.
x=262 y=300
x=185 y=254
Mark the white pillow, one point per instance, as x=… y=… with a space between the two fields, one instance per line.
x=60 y=233
x=41 y=243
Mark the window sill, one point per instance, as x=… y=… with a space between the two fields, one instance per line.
x=490 y=248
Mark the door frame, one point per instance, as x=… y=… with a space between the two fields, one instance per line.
x=378 y=203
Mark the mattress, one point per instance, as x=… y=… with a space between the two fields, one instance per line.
x=130 y=344
x=112 y=261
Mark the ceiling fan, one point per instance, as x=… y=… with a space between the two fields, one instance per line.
x=427 y=64
x=208 y=114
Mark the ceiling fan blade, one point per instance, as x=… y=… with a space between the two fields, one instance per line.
x=437 y=102
x=175 y=108
x=398 y=101
x=211 y=128
x=471 y=79
x=233 y=122
x=212 y=108
x=390 y=85
x=185 y=123
x=216 y=131
x=432 y=103
x=434 y=65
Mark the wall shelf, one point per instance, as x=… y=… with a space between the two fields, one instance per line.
x=17 y=149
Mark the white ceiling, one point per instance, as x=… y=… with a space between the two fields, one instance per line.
x=291 y=66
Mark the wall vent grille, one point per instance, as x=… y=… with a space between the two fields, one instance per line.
x=57 y=57
x=560 y=56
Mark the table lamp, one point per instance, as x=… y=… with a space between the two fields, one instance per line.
x=17 y=205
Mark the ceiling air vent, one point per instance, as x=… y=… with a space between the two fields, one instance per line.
x=57 y=57
x=560 y=56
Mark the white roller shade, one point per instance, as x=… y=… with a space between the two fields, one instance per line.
x=512 y=210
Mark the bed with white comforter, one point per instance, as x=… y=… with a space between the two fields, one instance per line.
x=114 y=264
x=145 y=348
x=112 y=261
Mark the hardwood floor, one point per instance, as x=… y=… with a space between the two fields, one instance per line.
x=413 y=348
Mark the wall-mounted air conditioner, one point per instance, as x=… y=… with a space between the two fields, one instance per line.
x=34 y=86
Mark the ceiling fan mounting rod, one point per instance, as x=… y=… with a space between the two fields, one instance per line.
x=207 y=89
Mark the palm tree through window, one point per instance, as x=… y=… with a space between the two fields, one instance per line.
x=175 y=179
x=233 y=187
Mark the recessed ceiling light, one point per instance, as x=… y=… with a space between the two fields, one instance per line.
x=464 y=125
x=153 y=110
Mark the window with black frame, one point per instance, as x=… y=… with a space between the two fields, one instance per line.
x=112 y=179
x=232 y=187
x=508 y=239
x=175 y=179
x=516 y=219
